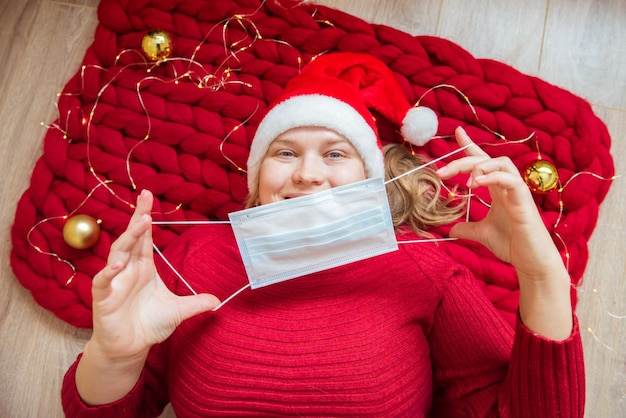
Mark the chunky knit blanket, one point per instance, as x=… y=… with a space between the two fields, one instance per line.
x=182 y=128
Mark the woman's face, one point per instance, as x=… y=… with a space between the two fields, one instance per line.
x=307 y=160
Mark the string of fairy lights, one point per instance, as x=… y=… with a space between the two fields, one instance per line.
x=81 y=231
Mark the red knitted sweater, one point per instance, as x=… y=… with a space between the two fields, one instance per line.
x=403 y=334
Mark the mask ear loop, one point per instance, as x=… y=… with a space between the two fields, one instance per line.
x=180 y=277
x=228 y=299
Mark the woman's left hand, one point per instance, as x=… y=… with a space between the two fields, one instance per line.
x=514 y=231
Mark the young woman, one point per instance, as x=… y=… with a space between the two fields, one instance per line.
x=405 y=333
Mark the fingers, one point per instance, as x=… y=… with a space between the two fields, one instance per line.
x=480 y=169
x=134 y=243
x=463 y=139
x=474 y=153
x=130 y=245
x=478 y=164
x=143 y=246
x=138 y=229
x=495 y=172
x=143 y=205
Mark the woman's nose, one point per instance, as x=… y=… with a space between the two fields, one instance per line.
x=310 y=170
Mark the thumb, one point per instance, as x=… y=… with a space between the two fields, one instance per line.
x=196 y=304
x=465 y=230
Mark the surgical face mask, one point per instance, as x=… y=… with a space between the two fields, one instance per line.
x=291 y=238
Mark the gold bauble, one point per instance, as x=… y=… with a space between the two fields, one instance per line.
x=156 y=45
x=541 y=177
x=81 y=231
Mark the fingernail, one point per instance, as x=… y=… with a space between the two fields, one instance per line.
x=442 y=170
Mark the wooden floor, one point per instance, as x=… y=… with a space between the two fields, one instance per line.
x=577 y=44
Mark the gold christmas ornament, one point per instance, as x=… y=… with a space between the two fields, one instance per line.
x=541 y=177
x=81 y=231
x=156 y=45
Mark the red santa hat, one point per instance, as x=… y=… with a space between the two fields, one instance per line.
x=336 y=91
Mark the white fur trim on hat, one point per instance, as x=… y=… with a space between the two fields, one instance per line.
x=317 y=110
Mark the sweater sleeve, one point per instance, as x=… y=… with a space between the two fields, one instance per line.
x=484 y=368
x=545 y=378
x=146 y=399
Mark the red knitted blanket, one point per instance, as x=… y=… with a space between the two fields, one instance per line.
x=182 y=129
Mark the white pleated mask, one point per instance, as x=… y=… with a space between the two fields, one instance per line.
x=291 y=238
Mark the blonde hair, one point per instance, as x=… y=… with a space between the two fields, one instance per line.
x=416 y=200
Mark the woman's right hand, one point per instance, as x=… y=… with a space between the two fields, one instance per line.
x=132 y=311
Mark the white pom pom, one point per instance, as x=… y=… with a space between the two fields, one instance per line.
x=419 y=125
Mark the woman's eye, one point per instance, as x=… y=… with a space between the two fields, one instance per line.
x=285 y=153
x=335 y=154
